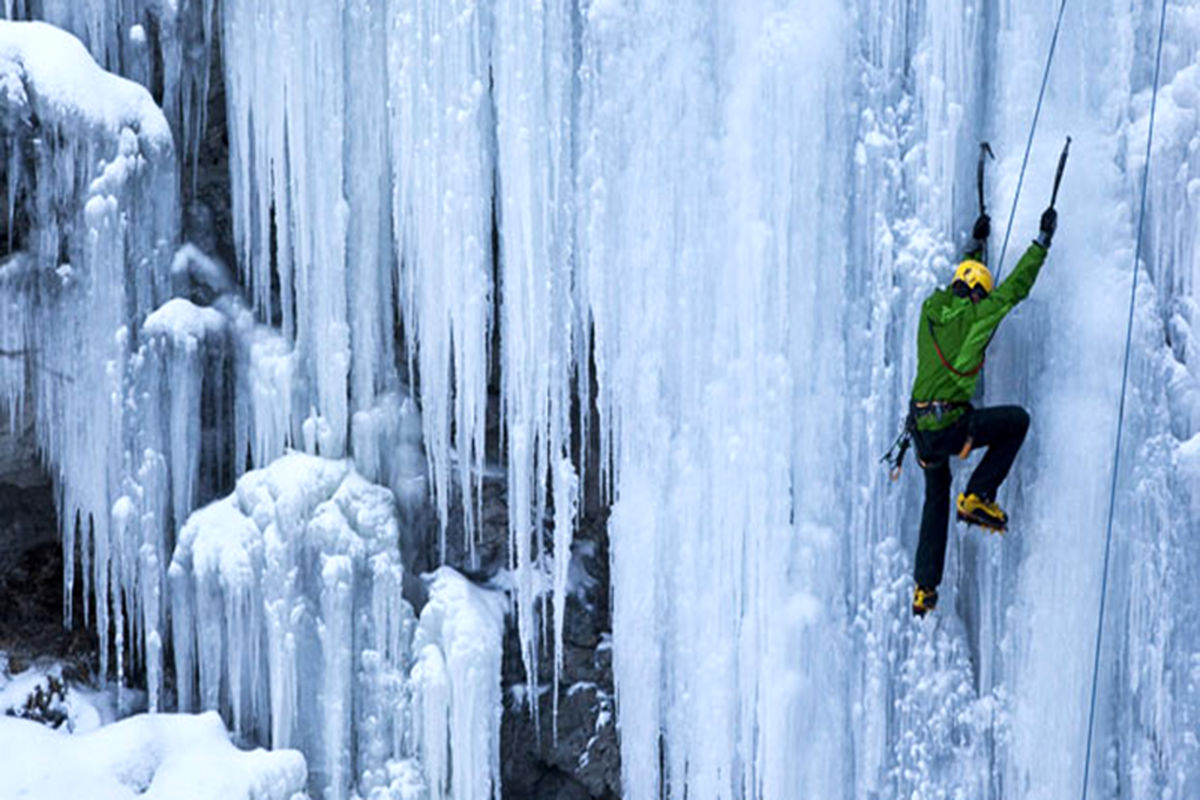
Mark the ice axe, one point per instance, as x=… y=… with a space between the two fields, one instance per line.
x=985 y=152
x=1062 y=165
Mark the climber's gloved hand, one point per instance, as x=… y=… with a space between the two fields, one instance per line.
x=982 y=229
x=1047 y=228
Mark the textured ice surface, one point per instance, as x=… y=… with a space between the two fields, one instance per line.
x=456 y=687
x=766 y=196
x=288 y=617
x=89 y=164
x=724 y=219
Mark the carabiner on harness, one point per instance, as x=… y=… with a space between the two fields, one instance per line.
x=895 y=454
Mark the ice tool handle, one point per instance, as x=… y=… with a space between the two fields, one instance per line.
x=985 y=152
x=1062 y=165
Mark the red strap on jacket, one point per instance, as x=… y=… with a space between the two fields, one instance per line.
x=945 y=363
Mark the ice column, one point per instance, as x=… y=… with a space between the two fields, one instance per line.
x=712 y=248
x=442 y=165
x=288 y=618
x=176 y=381
x=540 y=325
x=456 y=684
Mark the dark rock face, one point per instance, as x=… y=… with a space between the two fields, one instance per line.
x=206 y=196
x=582 y=760
x=31 y=581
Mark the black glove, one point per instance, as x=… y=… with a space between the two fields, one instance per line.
x=982 y=229
x=1048 y=226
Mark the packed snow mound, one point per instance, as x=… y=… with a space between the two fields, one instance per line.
x=147 y=756
x=184 y=322
x=289 y=619
x=48 y=69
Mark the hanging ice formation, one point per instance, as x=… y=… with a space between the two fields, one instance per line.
x=193 y=392
x=469 y=117
x=287 y=607
x=730 y=213
x=90 y=174
x=277 y=593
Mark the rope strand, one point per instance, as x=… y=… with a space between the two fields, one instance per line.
x=1112 y=496
x=1037 y=112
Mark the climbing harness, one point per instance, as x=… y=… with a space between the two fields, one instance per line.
x=1112 y=493
x=917 y=411
x=936 y=408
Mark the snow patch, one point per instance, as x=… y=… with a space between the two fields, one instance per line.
x=166 y=756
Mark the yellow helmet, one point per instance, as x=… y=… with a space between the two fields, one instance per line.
x=974 y=275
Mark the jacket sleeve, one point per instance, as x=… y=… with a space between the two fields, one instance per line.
x=993 y=308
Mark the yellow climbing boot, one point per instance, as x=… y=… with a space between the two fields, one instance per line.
x=974 y=510
x=924 y=601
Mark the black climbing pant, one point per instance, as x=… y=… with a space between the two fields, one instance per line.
x=1001 y=430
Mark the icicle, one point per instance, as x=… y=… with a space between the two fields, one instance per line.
x=106 y=199
x=369 y=248
x=442 y=213
x=534 y=74
x=565 y=511
x=336 y=633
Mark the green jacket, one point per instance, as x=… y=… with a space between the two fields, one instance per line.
x=963 y=330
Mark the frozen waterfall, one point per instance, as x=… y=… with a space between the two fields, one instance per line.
x=668 y=252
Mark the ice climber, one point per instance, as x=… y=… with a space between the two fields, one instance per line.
x=957 y=323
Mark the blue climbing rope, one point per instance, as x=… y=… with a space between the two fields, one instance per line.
x=1037 y=112
x=1112 y=494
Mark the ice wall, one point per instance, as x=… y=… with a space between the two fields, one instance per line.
x=90 y=180
x=723 y=218
x=957 y=707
